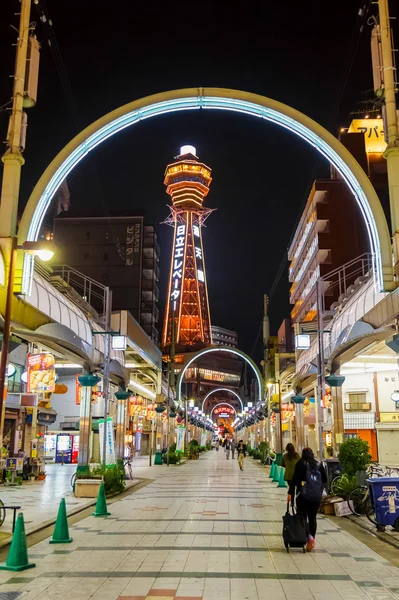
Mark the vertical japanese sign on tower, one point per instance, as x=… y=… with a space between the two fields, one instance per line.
x=187 y=182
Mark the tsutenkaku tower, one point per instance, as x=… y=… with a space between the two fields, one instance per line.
x=187 y=182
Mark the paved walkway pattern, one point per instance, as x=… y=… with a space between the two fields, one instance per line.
x=202 y=531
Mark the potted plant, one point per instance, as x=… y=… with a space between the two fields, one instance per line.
x=41 y=476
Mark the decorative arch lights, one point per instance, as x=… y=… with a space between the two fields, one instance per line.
x=219 y=99
x=215 y=391
x=239 y=353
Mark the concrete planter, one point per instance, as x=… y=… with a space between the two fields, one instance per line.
x=87 y=488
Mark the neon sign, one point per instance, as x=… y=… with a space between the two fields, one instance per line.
x=224 y=411
x=178 y=260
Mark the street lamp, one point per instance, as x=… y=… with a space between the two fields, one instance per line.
x=44 y=250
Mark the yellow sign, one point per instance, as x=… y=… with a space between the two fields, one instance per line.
x=339 y=438
x=389 y=417
x=373 y=130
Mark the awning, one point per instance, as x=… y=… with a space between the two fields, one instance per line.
x=46 y=416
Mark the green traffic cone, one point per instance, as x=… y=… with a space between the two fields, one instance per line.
x=281 y=482
x=17 y=559
x=61 y=530
x=272 y=467
x=101 y=504
x=276 y=474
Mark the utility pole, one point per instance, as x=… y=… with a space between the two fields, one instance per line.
x=107 y=359
x=391 y=153
x=266 y=361
x=13 y=161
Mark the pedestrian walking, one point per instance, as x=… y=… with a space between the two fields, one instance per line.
x=289 y=461
x=227 y=448
x=233 y=448
x=242 y=452
x=306 y=488
x=217 y=445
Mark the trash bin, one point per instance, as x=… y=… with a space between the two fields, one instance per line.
x=384 y=493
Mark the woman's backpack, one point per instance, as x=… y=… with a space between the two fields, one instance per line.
x=312 y=487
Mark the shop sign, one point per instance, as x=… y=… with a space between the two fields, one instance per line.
x=14 y=464
x=41 y=373
x=224 y=411
x=373 y=130
x=389 y=417
x=95 y=393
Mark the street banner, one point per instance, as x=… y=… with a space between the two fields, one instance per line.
x=110 y=450
x=180 y=439
x=203 y=438
x=252 y=439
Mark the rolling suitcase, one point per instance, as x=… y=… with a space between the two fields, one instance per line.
x=294 y=530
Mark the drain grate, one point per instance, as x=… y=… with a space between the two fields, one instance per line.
x=10 y=595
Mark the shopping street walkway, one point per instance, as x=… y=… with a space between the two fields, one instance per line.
x=202 y=531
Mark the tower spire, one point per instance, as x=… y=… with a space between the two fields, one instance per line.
x=187 y=182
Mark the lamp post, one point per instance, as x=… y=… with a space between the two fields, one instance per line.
x=87 y=382
x=121 y=398
x=45 y=251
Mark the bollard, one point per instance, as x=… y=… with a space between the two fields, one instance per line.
x=61 y=529
x=272 y=467
x=281 y=482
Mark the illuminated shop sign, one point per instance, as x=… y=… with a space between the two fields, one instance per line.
x=178 y=262
x=224 y=411
x=373 y=130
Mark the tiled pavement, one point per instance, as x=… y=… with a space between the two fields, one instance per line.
x=202 y=531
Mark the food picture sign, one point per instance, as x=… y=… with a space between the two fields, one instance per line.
x=41 y=373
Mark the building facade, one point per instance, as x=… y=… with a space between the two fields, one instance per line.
x=120 y=252
x=224 y=337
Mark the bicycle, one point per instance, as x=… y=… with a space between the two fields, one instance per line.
x=128 y=463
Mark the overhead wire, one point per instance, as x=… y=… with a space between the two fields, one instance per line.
x=55 y=51
x=358 y=28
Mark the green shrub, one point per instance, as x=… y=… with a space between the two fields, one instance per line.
x=208 y=446
x=174 y=458
x=344 y=486
x=256 y=455
x=263 y=450
x=193 y=443
x=114 y=477
x=354 y=456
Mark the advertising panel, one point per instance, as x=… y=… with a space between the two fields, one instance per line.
x=41 y=373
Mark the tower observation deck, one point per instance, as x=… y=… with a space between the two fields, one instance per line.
x=187 y=182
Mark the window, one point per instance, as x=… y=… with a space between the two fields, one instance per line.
x=357 y=402
x=87 y=235
x=87 y=256
x=107 y=235
x=105 y=255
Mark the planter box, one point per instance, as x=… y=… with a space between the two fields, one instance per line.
x=87 y=488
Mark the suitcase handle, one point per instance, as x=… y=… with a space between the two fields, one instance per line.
x=292 y=507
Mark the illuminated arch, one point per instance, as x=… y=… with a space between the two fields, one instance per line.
x=221 y=99
x=222 y=390
x=226 y=404
x=235 y=351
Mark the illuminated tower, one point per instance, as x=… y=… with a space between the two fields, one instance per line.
x=187 y=182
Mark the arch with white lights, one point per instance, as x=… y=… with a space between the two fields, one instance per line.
x=222 y=390
x=254 y=105
x=221 y=404
x=235 y=351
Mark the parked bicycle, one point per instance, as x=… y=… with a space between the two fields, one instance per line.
x=360 y=502
x=127 y=465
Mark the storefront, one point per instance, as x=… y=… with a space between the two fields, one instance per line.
x=388 y=439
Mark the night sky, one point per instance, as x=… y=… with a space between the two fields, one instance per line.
x=295 y=52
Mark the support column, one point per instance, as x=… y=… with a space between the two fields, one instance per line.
x=335 y=382
x=87 y=382
x=158 y=436
x=298 y=400
x=121 y=398
x=391 y=153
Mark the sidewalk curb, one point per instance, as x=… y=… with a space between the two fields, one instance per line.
x=384 y=537
x=75 y=511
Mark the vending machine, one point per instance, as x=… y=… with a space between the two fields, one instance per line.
x=75 y=448
x=64 y=448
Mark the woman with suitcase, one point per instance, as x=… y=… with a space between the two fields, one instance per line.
x=306 y=488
